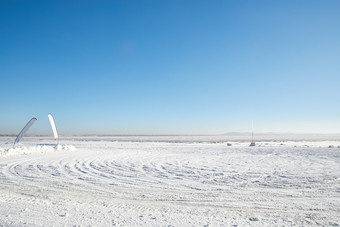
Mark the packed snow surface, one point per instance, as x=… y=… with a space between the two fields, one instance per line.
x=110 y=182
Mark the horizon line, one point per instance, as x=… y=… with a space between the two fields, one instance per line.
x=186 y=134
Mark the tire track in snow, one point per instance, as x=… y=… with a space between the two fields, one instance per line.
x=206 y=176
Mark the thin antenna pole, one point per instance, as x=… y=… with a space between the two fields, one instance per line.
x=252 y=144
x=252 y=131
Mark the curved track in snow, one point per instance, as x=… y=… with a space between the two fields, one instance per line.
x=123 y=183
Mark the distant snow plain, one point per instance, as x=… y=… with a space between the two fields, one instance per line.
x=169 y=181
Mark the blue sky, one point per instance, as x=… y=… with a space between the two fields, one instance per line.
x=170 y=67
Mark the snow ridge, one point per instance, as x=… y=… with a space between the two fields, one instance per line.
x=25 y=150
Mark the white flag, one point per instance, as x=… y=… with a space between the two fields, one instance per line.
x=53 y=126
x=24 y=130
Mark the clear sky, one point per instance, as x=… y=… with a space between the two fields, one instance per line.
x=170 y=67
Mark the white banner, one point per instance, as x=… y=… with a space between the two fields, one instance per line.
x=55 y=133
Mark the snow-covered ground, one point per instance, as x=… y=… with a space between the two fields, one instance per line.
x=105 y=181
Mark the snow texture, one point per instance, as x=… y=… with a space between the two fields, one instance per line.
x=107 y=182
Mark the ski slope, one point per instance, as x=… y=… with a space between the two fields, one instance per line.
x=110 y=182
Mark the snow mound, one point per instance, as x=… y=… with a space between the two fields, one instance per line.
x=65 y=147
x=24 y=150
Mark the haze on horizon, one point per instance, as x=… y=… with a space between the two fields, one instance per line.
x=170 y=67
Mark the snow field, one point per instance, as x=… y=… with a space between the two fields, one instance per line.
x=113 y=183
